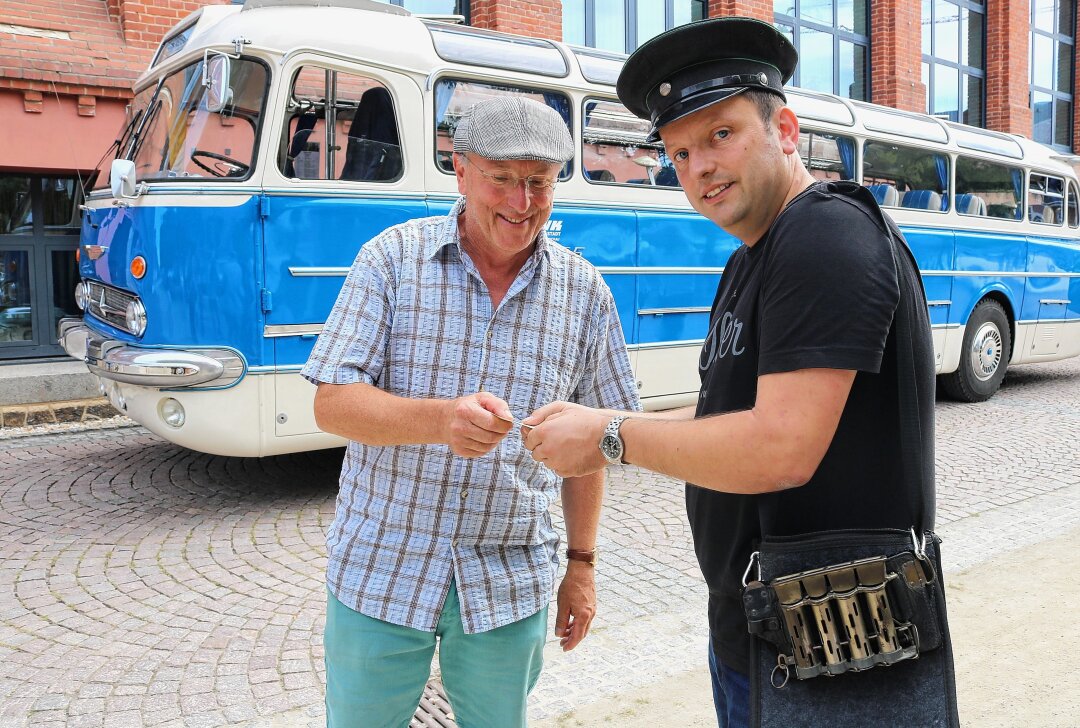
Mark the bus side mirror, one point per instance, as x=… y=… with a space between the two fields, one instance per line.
x=122 y=178
x=216 y=71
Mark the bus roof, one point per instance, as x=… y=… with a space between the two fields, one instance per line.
x=393 y=37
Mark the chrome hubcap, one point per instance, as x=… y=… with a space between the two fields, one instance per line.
x=986 y=351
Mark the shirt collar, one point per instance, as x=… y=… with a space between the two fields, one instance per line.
x=448 y=234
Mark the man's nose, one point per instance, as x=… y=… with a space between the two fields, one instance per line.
x=519 y=196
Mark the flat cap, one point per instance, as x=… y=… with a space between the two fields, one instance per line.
x=512 y=127
x=700 y=64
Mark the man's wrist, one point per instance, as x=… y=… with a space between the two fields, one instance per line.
x=582 y=556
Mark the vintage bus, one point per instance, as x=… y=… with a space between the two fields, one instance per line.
x=266 y=143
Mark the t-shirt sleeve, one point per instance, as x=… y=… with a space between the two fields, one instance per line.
x=829 y=290
x=351 y=348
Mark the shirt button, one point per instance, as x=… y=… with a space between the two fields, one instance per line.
x=490 y=333
x=464 y=494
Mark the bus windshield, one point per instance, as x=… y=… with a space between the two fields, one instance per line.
x=181 y=138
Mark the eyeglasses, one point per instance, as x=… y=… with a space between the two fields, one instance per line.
x=537 y=184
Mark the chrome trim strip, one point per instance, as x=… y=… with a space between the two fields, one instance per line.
x=666 y=345
x=662 y=311
x=931 y=304
x=656 y=270
x=1054 y=321
x=947 y=327
x=317 y=272
x=1055 y=301
x=271 y=369
x=159 y=368
x=1001 y=273
x=275 y=330
x=614 y=270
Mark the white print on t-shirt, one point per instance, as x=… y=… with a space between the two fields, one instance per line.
x=723 y=338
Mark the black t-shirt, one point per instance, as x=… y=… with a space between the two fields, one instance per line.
x=819 y=290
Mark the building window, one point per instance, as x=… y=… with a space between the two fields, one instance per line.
x=953 y=62
x=623 y=25
x=832 y=37
x=434 y=7
x=1052 y=41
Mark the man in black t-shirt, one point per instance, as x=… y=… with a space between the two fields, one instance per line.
x=796 y=426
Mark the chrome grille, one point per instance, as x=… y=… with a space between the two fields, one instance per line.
x=109 y=304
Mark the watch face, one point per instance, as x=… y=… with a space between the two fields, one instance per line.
x=611 y=447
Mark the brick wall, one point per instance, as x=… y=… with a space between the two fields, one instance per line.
x=1008 y=33
x=535 y=18
x=896 y=54
x=759 y=9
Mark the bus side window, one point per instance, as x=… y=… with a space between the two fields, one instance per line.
x=901 y=176
x=1074 y=212
x=614 y=150
x=1046 y=199
x=454 y=98
x=987 y=188
x=341 y=126
x=828 y=156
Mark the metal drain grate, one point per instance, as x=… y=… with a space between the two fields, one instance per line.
x=434 y=710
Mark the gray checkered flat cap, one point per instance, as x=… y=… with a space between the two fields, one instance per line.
x=511 y=127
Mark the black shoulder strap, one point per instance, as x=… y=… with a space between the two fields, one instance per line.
x=906 y=378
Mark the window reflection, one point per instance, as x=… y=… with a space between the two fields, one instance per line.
x=65 y=275
x=573 y=21
x=953 y=60
x=15 y=214
x=830 y=36
x=650 y=20
x=16 y=312
x=611 y=32
x=816 y=59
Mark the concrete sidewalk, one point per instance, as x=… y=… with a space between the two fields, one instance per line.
x=1013 y=637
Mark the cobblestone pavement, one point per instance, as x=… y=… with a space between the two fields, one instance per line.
x=145 y=585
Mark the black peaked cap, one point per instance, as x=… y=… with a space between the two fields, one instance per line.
x=699 y=64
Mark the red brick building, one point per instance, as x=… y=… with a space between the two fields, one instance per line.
x=67 y=68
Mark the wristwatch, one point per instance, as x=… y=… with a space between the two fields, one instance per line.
x=611 y=445
x=589 y=557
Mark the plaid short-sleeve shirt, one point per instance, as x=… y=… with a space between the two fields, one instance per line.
x=415 y=319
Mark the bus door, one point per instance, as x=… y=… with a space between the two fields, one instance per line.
x=1046 y=294
x=344 y=172
x=681 y=256
x=934 y=252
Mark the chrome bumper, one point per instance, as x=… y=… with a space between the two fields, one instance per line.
x=162 y=368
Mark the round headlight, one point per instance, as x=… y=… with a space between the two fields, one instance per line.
x=135 y=317
x=172 y=412
x=82 y=295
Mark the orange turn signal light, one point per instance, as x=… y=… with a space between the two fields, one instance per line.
x=138 y=266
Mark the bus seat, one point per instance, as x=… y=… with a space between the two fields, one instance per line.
x=1043 y=213
x=921 y=200
x=969 y=204
x=666 y=177
x=600 y=175
x=886 y=195
x=305 y=124
x=374 y=151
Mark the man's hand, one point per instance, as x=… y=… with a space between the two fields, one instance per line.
x=567 y=438
x=476 y=423
x=576 y=603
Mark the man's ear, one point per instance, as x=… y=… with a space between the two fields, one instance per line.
x=459 y=172
x=787 y=128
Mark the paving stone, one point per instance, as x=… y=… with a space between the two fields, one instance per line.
x=143 y=584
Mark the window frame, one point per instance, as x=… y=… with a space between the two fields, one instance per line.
x=797 y=22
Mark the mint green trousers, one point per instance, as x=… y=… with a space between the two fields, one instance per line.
x=376 y=671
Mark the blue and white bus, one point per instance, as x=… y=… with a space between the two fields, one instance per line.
x=266 y=143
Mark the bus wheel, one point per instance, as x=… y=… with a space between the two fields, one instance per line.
x=987 y=346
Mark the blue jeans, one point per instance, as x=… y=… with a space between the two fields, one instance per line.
x=731 y=694
x=376 y=671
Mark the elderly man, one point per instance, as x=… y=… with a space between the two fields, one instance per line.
x=447 y=329
x=816 y=410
